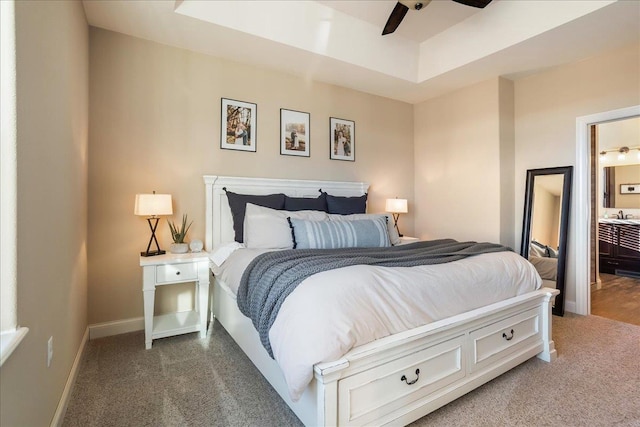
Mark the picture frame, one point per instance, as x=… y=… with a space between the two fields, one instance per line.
x=295 y=133
x=629 y=188
x=238 y=127
x=342 y=140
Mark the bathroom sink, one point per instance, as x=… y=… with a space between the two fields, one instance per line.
x=619 y=221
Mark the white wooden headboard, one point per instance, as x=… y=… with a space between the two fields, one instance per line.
x=219 y=223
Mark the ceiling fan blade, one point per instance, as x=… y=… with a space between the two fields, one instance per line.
x=399 y=11
x=474 y=3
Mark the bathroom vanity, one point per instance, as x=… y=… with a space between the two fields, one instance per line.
x=619 y=246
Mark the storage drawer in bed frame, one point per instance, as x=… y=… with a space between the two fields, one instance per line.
x=499 y=339
x=382 y=393
x=367 y=396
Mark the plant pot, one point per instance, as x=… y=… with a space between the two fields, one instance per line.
x=179 y=248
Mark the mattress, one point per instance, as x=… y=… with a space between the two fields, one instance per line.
x=332 y=312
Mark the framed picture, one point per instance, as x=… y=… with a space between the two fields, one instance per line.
x=342 y=144
x=629 y=188
x=295 y=139
x=238 y=125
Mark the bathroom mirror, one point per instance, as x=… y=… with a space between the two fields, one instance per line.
x=613 y=179
x=545 y=226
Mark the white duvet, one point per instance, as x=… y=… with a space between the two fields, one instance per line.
x=332 y=312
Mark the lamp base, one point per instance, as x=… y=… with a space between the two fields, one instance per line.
x=153 y=227
x=153 y=253
x=396 y=216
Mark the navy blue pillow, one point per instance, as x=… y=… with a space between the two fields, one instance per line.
x=238 y=205
x=346 y=205
x=306 y=203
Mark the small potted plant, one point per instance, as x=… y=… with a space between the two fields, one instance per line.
x=178 y=234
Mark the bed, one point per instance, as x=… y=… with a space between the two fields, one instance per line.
x=399 y=378
x=545 y=260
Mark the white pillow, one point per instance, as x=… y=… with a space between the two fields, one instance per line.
x=536 y=249
x=222 y=252
x=266 y=228
x=394 y=238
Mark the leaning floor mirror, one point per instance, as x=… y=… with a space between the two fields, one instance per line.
x=546 y=223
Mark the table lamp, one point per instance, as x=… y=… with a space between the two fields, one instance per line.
x=396 y=207
x=152 y=206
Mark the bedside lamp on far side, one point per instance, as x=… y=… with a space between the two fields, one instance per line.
x=396 y=207
x=152 y=206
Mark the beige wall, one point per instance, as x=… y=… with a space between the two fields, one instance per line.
x=155 y=125
x=507 y=162
x=468 y=150
x=52 y=112
x=464 y=163
x=546 y=107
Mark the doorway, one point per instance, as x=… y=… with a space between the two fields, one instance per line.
x=583 y=202
x=615 y=224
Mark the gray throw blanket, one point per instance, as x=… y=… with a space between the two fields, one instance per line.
x=272 y=276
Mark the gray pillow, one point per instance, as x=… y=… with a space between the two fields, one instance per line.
x=238 y=205
x=357 y=233
x=346 y=205
x=306 y=203
x=551 y=253
x=393 y=233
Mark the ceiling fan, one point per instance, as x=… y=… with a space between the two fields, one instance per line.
x=402 y=7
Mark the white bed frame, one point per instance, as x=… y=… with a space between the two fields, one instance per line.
x=400 y=378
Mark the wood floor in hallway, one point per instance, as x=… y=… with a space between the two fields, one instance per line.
x=617 y=299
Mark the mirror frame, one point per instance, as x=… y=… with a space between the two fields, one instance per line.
x=567 y=173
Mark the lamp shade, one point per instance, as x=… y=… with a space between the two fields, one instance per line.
x=153 y=205
x=397 y=206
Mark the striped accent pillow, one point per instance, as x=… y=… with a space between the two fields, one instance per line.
x=360 y=233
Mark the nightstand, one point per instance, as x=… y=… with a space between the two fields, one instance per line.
x=406 y=240
x=169 y=269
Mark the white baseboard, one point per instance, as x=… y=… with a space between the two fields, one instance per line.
x=116 y=327
x=570 y=306
x=58 y=417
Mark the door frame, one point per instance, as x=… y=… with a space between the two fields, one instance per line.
x=582 y=191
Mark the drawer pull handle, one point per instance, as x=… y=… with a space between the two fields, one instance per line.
x=404 y=378
x=177 y=273
x=504 y=335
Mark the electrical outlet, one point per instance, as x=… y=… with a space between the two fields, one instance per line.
x=49 y=351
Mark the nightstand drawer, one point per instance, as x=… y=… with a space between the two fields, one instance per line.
x=172 y=273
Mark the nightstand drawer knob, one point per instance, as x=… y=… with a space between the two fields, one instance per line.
x=177 y=273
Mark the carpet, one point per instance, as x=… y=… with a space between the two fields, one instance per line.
x=186 y=381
